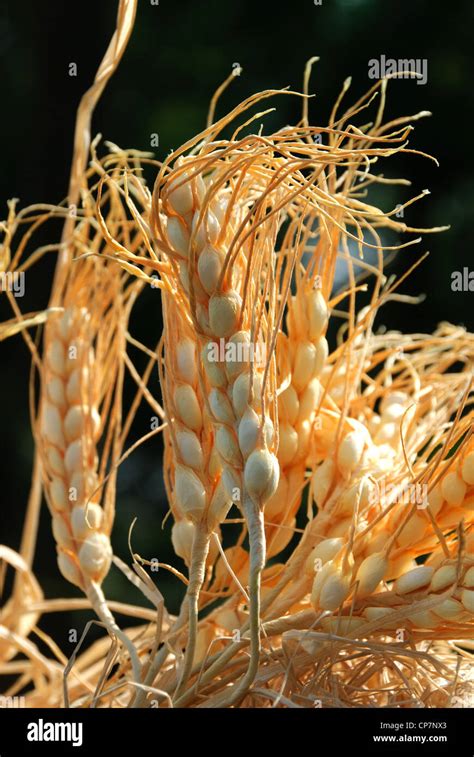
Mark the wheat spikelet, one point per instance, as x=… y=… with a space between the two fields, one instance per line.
x=69 y=430
x=233 y=402
x=78 y=431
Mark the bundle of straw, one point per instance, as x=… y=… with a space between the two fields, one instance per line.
x=321 y=494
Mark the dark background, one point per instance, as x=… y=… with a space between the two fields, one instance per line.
x=180 y=51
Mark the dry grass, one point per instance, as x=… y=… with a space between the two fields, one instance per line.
x=319 y=447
